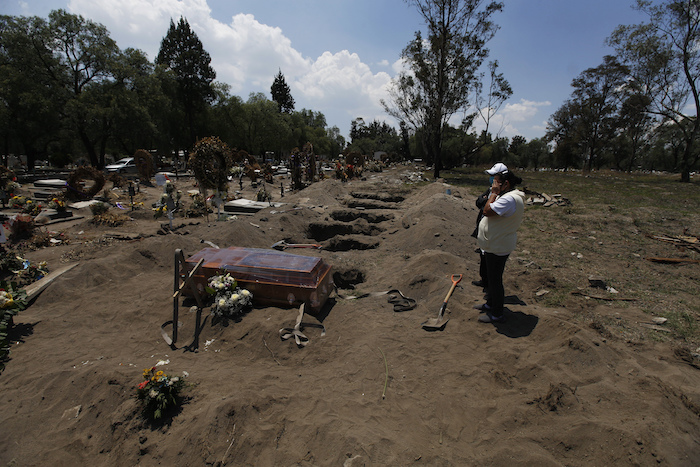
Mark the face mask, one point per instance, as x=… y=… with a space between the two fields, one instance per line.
x=491 y=180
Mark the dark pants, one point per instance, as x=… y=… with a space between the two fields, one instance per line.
x=482 y=270
x=494 y=270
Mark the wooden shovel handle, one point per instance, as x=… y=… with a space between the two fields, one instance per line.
x=454 y=284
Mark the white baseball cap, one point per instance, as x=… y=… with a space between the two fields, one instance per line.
x=497 y=168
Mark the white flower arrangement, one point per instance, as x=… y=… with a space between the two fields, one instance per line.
x=228 y=299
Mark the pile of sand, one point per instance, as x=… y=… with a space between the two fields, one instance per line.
x=542 y=389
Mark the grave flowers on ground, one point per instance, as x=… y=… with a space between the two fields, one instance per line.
x=57 y=204
x=159 y=392
x=168 y=202
x=12 y=300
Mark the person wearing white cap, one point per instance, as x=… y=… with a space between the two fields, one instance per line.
x=497 y=237
x=498 y=167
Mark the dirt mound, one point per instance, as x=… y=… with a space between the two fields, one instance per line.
x=544 y=388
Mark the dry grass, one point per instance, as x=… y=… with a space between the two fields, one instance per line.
x=607 y=231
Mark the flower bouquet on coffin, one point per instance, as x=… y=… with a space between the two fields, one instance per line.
x=228 y=300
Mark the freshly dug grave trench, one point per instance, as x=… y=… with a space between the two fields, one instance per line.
x=349 y=215
x=385 y=197
x=321 y=231
x=348 y=279
x=369 y=204
x=350 y=242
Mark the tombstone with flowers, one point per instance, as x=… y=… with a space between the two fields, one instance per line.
x=168 y=203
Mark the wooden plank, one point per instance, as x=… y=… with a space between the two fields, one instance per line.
x=33 y=290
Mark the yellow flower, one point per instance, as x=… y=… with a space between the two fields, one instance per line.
x=159 y=373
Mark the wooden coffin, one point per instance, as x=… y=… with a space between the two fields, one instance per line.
x=274 y=277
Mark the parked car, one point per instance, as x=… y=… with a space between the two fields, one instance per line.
x=122 y=165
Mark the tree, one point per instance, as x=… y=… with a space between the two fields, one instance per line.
x=563 y=132
x=405 y=150
x=377 y=136
x=263 y=124
x=443 y=69
x=664 y=58
x=336 y=141
x=598 y=91
x=77 y=56
x=182 y=54
x=29 y=105
x=136 y=98
x=534 y=153
x=633 y=127
x=488 y=104
x=584 y=127
x=308 y=126
x=281 y=93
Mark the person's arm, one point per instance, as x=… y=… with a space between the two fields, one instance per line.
x=495 y=191
x=488 y=212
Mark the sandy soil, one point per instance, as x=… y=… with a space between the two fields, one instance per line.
x=543 y=389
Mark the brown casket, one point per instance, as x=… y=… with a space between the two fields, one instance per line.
x=273 y=277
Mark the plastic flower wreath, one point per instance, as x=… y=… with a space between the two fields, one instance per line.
x=229 y=300
x=159 y=392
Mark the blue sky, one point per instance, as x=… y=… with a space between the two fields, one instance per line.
x=338 y=56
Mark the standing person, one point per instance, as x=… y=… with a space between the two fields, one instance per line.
x=497 y=236
x=497 y=168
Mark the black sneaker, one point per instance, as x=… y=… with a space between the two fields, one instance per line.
x=489 y=318
x=478 y=283
x=482 y=307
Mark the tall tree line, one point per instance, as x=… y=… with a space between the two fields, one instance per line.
x=639 y=108
x=443 y=75
x=67 y=91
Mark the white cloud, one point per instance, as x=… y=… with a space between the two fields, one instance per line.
x=247 y=54
x=344 y=83
x=523 y=110
x=515 y=119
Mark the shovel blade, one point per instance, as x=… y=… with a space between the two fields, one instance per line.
x=435 y=324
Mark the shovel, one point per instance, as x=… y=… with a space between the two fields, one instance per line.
x=435 y=324
x=282 y=245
